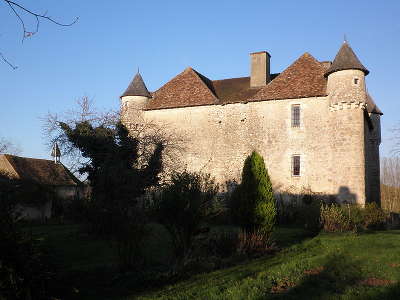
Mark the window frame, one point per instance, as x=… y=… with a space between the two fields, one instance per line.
x=295 y=116
x=296 y=164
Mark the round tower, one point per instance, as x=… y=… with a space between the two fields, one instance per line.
x=346 y=80
x=347 y=100
x=135 y=97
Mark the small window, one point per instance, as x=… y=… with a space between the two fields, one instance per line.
x=356 y=80
x=296 y=115
x=296 y=165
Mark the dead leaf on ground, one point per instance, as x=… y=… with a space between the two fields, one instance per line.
x=314 y=271
x=376 y=282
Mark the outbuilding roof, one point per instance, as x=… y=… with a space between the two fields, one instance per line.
x=41 y=171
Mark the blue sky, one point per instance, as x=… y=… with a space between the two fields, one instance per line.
x=98 y=56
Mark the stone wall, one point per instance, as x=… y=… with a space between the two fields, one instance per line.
x=219 y=137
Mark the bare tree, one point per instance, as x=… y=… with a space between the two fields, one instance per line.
x=148 y=133
x=6 y=146
x=22 y=13
x=390 y=187
x=85 y=111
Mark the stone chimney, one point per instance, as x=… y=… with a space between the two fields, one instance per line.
x=260 y=72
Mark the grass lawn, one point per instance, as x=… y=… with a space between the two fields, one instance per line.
x=328 y=266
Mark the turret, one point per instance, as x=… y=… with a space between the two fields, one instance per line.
x=346 y=80
x=347 y=102
x=136 y=96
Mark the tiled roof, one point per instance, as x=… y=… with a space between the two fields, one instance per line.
x=235 y=89
x=223 y=91
x=304 y=78
x=346 y=59
x=371 y=106
x=42 y=171
x=136 y=87
x=189 y=88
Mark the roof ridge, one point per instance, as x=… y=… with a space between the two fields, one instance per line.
x=23 y=157
x=232 y=78
x=199 y=76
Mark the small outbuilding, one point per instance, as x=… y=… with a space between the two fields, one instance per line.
x=46 y=180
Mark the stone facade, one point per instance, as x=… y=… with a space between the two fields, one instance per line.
x=337 y=139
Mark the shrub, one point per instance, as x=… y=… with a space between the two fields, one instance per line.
x=374 y=217
x=128 y=239
x=223 y=243
x=254 y=243
x=334 y=220
x=186 y=203
x=253 y=203
x=340 y=218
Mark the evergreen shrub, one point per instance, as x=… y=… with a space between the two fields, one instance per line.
x=253 y=203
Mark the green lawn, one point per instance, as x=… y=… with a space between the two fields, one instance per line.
x=328 y=266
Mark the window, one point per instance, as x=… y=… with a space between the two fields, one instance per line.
x=296 y=165
x=356 y=80
x=296 y=115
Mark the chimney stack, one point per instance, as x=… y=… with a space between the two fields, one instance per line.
x=260 y=71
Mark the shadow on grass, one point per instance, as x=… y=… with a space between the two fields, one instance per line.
x=286 y=236
x=390 y=293
x=337 y=275
x=340 y=276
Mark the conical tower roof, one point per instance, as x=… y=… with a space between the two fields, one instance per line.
x=346 y=59
x=137 y=87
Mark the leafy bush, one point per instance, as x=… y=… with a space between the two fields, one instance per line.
x=300 y=208
x=333 y=219
x=374 y=217
x=253 y=203
x=183 y=206
x=340 y=218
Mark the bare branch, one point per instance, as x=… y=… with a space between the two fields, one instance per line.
x=149 y=135
x=20 y=13
x=7 y=147
x=16 y=7
x=7 y=61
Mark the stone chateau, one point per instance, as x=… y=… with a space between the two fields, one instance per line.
x=314 y=123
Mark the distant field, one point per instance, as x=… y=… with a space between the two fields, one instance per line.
x=329 y=266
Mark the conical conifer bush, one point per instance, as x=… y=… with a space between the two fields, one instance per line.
x=253 y=202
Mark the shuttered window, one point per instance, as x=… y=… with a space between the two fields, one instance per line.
x=296 y=165
x=296 y=115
